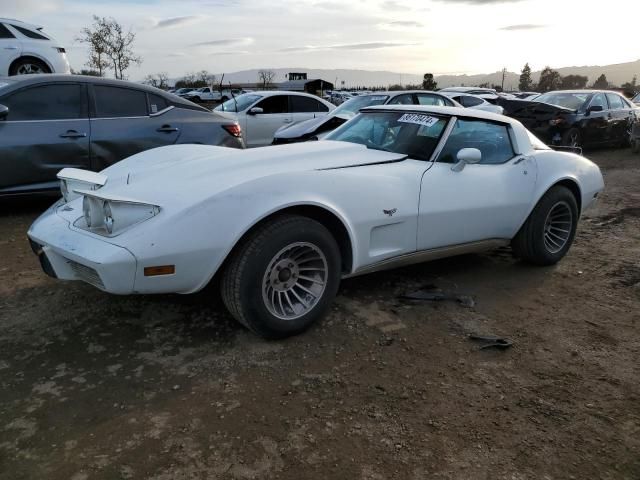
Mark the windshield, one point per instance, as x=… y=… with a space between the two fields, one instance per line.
x=413 y=134
x=636 y=99
x=239 y=103
x=570 y=100
x=353 y=105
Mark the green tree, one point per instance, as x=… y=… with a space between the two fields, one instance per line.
x=601 y=82
x=526 y=83
x=549 y=80
x=428 y=82
x=573 y=82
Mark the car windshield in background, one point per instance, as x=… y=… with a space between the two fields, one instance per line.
x=412 y=134
x=636 y=99
x=569 y=100
x=353 y=105
x=239 y=103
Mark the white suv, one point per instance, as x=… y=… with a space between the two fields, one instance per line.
x=24 y=48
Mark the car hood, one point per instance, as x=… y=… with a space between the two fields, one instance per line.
x=183 y=173
x=307 y=128
x=517 y=108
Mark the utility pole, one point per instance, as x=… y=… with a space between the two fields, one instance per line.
x=504 y=72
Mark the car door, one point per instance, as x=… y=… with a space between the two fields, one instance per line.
x=304 y=108
x=597 y=124
x=483 y=201
x=619 y=118
x=260 y=127
x=10 y=49
x=46 y=129
x=124 y=122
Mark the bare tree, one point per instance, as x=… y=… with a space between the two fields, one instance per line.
x=266 y=78
x=205 y=77
x=96 y=37
x=109 y=46
x=158 y=80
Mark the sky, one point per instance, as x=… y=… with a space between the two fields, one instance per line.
x=407 y=36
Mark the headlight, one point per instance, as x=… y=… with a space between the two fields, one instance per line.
x=112 y=217
x=72 y=179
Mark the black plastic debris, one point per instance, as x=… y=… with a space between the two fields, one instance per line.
x=434 y=294
x=491 y=341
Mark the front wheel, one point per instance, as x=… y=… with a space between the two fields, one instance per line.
x=283 y=277
x=572 y=138
x=549 y=231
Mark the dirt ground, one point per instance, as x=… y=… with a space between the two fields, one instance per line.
x=94 y=386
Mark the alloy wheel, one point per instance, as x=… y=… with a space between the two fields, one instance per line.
x=557 y=227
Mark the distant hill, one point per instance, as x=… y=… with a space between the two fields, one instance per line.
x=616 y=74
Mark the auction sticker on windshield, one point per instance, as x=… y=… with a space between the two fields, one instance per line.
x=418 y=119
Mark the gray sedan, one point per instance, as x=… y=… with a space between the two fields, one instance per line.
x=49 y=122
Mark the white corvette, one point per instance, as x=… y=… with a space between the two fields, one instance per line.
x=282 y=225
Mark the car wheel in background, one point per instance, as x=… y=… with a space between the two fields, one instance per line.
x=283 y=277
x=25 y=66
x=572 y=138
x=548 y=233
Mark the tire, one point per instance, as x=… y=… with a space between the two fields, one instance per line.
x=635 y=146
x=572 y=138
x=542 y=240
x=26 y=66
x=260 y=284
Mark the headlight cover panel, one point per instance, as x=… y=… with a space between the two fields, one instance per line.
x=110 y=218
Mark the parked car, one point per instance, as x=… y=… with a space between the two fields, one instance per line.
x=576 y=118
x=474 y=101
x=25 y=48
x=51 y=121
x=470 y=90
x=181 y=91
x=208 y=94
x=260 y=114
x=316 y=128
x=280 y=226
x=636 y=99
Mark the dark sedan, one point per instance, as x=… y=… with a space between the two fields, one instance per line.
x=576 y=118
x=49 y=122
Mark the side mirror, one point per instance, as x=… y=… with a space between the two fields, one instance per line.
x=467 y=156
x=255 y=111
x=4 y=111
x=595 y=108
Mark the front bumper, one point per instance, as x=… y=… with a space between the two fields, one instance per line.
x=70 y=255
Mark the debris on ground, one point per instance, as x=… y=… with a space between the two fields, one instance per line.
x=435 y=294
x=491 y=341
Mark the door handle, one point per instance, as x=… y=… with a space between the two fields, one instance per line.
x=287 y=120
x=167 y=129
x=72 y=134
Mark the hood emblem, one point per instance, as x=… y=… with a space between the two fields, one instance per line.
x=390 y=212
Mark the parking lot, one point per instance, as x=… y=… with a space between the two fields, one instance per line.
x=170 y=387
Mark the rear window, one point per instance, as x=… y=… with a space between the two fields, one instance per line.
x=29 y=33
x=112 y=102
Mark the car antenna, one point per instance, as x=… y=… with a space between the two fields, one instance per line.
x=220 y=90
x=235 y=102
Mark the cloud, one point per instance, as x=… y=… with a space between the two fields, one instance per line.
x=178 y=21
x=480 y=2
x=29 y=7
x=224 y=42
x=349 y=46
x=523 y=26
x=404 y=24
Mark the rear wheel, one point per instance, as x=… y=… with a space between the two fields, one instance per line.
x=549 y=231
x=26 y=66
x=283 y=277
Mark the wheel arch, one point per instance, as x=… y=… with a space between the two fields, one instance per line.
x=325 y=216
x=31 y=56
x=573 y=186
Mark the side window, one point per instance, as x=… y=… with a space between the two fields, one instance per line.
x=322 y=107
x=5 y=33
x=406 y=99
x=492 y=139
x=599 y=101
x=156 y=103
x=615 y=101
x=275 y=104
x=301 y=104
x=427 y=99
x=469 y=101
x=46 y=102
x=119 y=102
x=29 y=33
